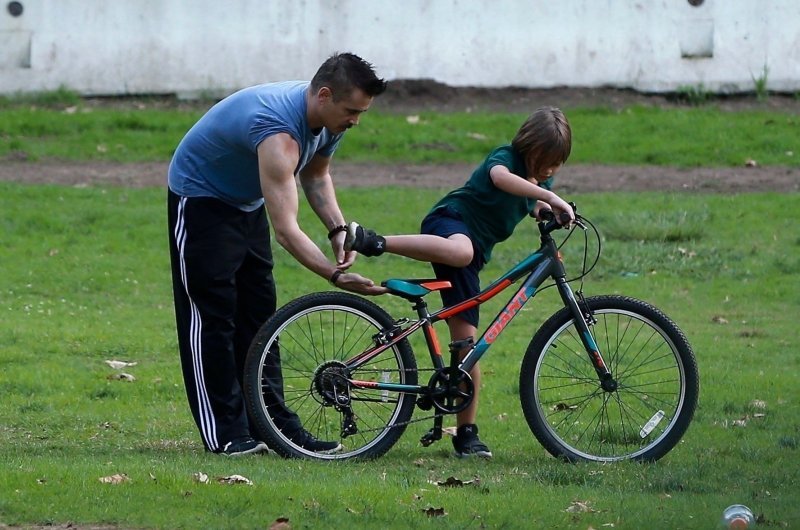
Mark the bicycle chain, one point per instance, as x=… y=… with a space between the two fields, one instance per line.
x=404 y=423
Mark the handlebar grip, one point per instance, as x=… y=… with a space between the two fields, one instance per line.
x=546 y=215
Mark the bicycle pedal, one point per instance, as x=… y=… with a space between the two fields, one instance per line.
x=457 y=345
x=433 y=435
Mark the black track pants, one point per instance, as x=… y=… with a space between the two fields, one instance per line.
x=224 y=291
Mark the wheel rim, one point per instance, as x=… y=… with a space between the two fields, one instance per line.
x=606 y=426
x=318 y=337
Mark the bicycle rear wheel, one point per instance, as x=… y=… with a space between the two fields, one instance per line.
x=295 y=379
x=652 y=362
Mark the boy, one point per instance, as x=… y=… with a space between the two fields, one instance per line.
x=458 y=234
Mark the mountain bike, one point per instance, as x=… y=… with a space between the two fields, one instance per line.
x=605 y=378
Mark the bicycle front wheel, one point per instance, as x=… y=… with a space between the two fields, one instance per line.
x=296 y=380
x=574 y=418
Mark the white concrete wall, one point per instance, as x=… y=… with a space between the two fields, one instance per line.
x=184 y=46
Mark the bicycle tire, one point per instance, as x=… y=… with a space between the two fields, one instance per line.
x=318 y=330
x=655 y=368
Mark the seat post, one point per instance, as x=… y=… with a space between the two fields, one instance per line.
x=421 y=307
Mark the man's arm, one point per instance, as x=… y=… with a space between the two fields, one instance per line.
x=278 y=155
x=317 y=185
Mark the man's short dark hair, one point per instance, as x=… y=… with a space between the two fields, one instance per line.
x=342 y=72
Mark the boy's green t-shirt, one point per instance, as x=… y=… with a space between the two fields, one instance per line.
x=490 y=213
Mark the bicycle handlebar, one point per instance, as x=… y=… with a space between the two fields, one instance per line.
x=548 y=222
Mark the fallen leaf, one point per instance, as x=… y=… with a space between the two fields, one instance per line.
x=558 y=407
x=122 y=376
x=719 y=320
x=312 y=504
x=118 y=365
x=742 y=422
x=453 y=482
x=235 y=479
x=434 y=512
x=580 y=507
x=281 y=523
x=119 y=478
x=449 y=431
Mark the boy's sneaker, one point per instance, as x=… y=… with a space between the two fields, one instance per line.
x=244 y=446
x=467 y=444
x=364 y=241
x=307 y=441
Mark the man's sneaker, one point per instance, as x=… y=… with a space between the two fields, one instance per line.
x=244 y=446
x=364 y=241
x=307 y=441
x=467 y=444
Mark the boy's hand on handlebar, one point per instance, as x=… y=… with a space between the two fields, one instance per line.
x=563 y=212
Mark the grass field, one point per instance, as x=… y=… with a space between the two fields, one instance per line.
x=85 y=279
x=62 y=127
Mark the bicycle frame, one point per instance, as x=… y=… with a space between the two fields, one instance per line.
x=544 y=263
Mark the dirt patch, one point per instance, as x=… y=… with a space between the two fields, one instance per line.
x=413 y=96
x=424 y=94
x=572 y=179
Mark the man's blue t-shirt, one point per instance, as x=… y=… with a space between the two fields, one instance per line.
x=218 y=156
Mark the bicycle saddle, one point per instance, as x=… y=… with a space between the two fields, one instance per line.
x=413 y=289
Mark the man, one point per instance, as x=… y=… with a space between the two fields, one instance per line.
x=240 y=156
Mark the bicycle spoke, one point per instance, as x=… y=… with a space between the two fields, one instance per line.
x=641 y=416
x=299 y=358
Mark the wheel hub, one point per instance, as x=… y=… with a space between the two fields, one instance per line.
x=330 y=386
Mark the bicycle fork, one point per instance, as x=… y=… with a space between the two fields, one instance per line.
x=583 y=320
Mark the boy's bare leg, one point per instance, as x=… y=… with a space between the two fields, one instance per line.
x=466 y=442
x=461 y=329
x=455 y=251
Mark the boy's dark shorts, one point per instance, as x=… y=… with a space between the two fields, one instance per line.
x=444 y=222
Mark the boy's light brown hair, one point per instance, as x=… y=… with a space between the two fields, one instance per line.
x=544 y=141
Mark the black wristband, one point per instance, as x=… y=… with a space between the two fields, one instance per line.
x=335 y=276
x=335 y=230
